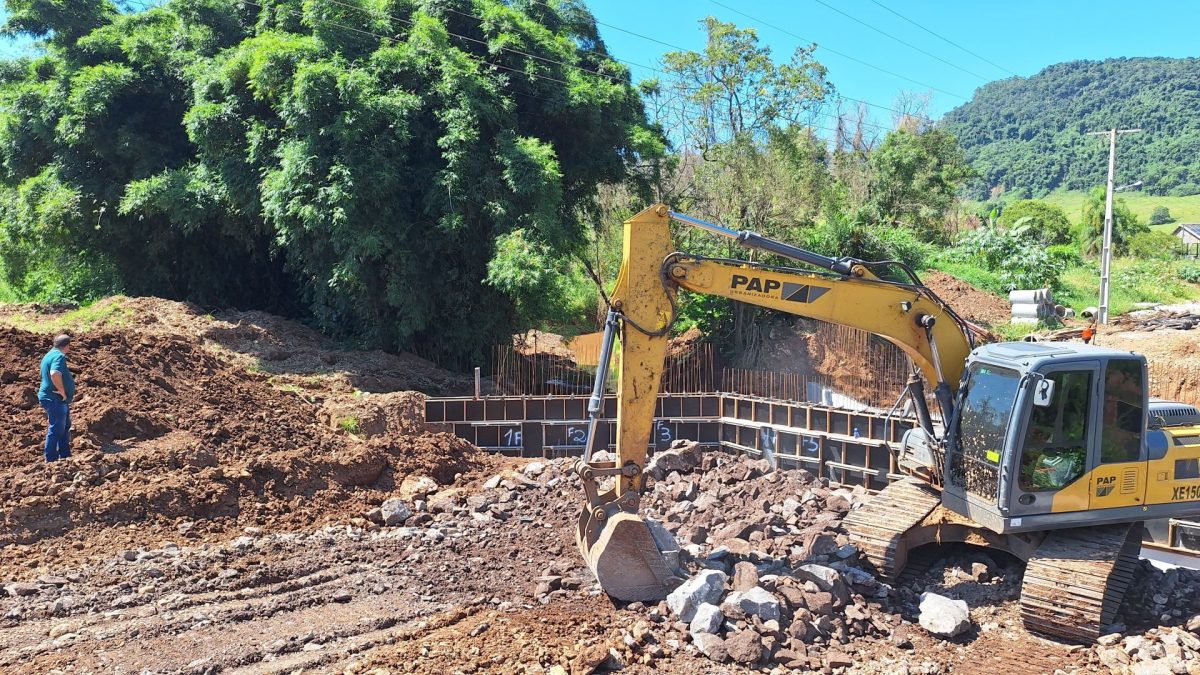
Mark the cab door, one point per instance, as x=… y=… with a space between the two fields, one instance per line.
x=1058 y=440
x=1119 y=460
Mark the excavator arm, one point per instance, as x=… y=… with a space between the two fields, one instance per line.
x=621 y=549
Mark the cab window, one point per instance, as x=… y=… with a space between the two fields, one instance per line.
x=1121 y=434
x=1055 y=449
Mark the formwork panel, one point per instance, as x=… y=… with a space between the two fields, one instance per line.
x=818 y=419
x=535 y=409
x=514 y=409
x=839 y=422
x=780 y=412
x=762 y=411
x=435 y=411
x=691 y=406
x=670 y=406
x=473 y=410
x=493 y=409
x=576 y=408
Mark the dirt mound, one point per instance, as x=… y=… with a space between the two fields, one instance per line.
x=292 y=353
x=166 y=430
x=978 y=307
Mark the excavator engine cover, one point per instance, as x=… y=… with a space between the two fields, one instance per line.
x=632 y=560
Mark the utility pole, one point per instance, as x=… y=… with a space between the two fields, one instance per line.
x=1106 y=251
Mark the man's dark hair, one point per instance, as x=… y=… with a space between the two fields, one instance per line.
x=62 y=341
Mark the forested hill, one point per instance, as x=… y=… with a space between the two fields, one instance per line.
x=1029 y=134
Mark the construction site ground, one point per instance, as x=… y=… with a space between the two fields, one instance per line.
x=221 y=513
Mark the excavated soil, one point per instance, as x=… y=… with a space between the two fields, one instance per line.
x=223 y=517
x=978 y=307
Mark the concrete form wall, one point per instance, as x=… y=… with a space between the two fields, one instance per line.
x=850 y=447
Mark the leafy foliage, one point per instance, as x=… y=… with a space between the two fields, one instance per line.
x=361 y=161
x=1016 y=254
x=915 y=178
x=1030 y=133
x=1161 y=216
x=1153 y=246
x=1048 y=222
x=1125 y=224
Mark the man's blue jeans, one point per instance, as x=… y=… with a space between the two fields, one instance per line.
x=58 y=437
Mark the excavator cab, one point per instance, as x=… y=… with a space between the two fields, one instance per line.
x=1048 y=436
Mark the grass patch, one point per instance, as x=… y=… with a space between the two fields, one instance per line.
x=1183 y=209
x=1133 y=281
x=350 y=425
x=109 y=313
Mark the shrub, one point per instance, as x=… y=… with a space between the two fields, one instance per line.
x=841 y=236
x=1189 y=272
x=1065 y=255
x=1048 y=222
x=1160 y=216
x=1153 y=246
x=1017 y=255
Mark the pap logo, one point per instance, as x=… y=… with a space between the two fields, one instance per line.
x=1105 y=485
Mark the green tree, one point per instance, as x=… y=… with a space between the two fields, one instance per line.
x=915 y=177
x=1047 y=221
x=1153 y=246
x=746 y=158
x=1125 y=223
x=1161 y=215
x=408 y=173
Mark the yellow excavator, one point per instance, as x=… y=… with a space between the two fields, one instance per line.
x=1052 y=452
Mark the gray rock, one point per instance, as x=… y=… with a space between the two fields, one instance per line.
x=826 y=578
x=342 y=595
x=1157 y=667
x=942 y=616
x=754 y=602
x=534 y=469
x=708 y=619
x=21 y=589
x=394 y=511
x=666 y=543
x=711 y=646
x=706 y=586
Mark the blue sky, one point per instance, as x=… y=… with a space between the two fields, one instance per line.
x=1022 y=36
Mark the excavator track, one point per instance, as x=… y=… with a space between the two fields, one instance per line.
x=881 y=526
x=1075 y=581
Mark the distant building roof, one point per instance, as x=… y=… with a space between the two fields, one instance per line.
x=1190 y=228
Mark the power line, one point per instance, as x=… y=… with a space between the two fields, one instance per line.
x=395 y=39
x=586 y=51
x=901 y=41
x=946 y=39
x=841 y=54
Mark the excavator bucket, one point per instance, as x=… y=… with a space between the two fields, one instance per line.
x=632 y=560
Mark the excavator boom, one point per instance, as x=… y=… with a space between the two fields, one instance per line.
x=621 y=549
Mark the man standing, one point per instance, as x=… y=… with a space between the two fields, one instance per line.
x=55 y=395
